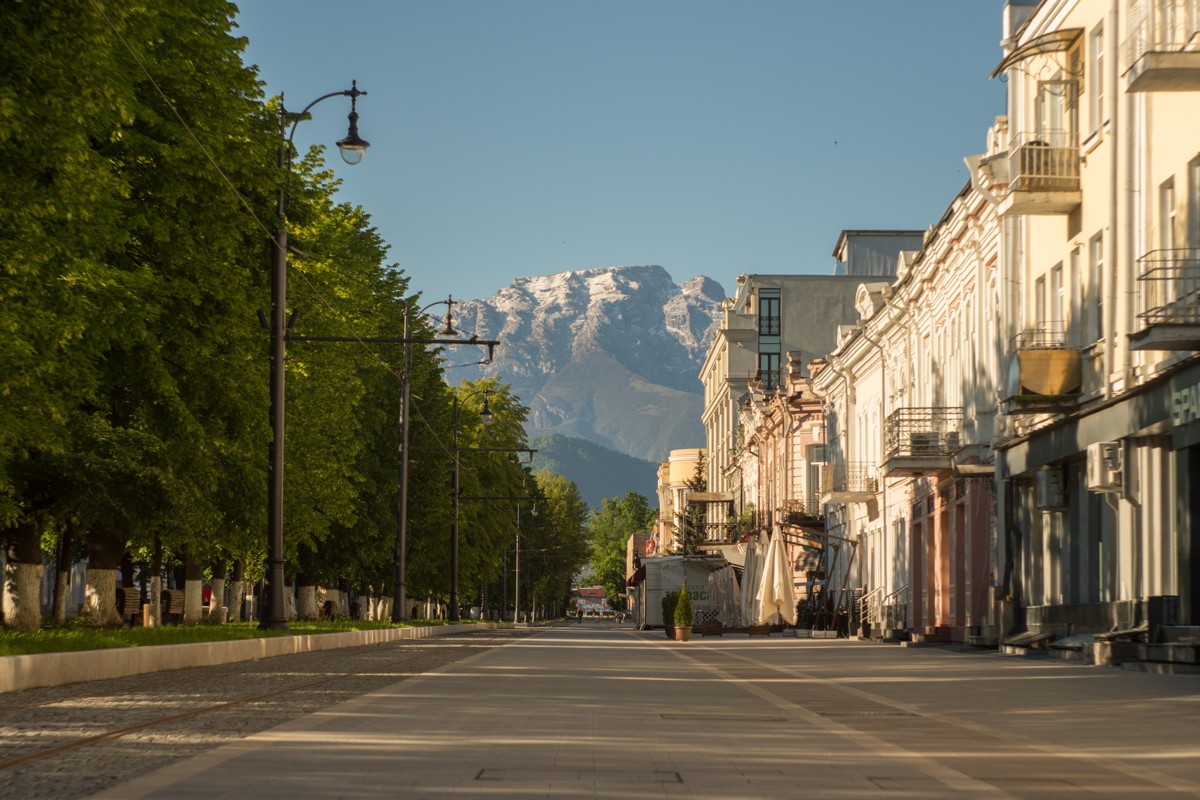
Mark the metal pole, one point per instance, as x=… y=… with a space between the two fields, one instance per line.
x=400 y=601
x=517 y=587
x=454 y=527
x=274 y=616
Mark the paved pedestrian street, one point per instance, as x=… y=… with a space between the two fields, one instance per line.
x=599 y=710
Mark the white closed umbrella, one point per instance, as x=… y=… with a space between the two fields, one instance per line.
x=756 y=555
x=776 y=593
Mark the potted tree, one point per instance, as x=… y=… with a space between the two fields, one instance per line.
x=683 y=616
x=669 y=599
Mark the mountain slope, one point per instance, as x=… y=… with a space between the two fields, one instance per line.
x=598 y=471
x=610 y=355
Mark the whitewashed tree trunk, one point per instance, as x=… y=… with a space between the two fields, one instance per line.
x=216 y=607
x=155 y=601
x=62 y=582
x=289 y=604
x=306 y=602
x=22 y=596
x=193 y=601
x=236 y=590
x=100 y=604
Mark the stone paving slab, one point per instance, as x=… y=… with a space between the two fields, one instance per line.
x=604 y=713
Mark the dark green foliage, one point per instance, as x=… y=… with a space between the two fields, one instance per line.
x=669 y=601
x=683 y=609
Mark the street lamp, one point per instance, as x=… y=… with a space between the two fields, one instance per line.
x=353 y=147
x=517 y=579
x=400 y=591
x=485 y=414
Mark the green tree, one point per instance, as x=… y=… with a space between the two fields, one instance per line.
x=610 y=528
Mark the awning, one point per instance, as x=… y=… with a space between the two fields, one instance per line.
x=637 y=577
x=1053 y=42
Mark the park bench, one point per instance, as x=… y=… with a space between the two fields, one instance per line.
x=171 y=604
x=129 y=603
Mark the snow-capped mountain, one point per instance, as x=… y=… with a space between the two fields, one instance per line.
x=611 y=354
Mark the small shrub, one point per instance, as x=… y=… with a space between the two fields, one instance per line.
x=683 y=609
x=668 y=607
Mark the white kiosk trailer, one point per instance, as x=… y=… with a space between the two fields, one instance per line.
x=665 y=574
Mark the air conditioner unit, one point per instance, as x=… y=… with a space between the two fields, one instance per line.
x=1104 y=467
x=1050 y=492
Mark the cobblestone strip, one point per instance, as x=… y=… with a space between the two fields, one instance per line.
x=39 y=719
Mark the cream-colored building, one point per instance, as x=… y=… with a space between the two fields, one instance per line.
x=675 y=475
x=910 y=397
x=1095 y=174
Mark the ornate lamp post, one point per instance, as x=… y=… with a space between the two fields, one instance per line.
x=352 y=148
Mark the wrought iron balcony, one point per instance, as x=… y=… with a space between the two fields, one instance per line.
x=1050 y=368
x=808 y=511
x=850 y=482
x=1162 y=51
x=1170 y=290
x=1041 y=172
x=767 y=380
x=921 y=440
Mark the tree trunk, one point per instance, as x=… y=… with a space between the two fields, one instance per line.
x=23 y=578
x=307 y=602
x=104 y=556
x=237 y=591
x=216 y=606
x=62 y=576
x=289 y=603
x=193 y=589
x=156 y=584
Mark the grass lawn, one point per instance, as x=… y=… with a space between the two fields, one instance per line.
x=79 y=636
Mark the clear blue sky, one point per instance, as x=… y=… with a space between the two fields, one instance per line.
x=527 y=137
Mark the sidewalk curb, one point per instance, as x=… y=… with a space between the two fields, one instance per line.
x=57 y=669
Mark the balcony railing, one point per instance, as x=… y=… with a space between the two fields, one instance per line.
x=1051 y=371
x=921 y=440
x=767 y=379
x=805 y=511
x=1045 y=161
x=1162 y=51
x=850 y=482
x=1170 y=288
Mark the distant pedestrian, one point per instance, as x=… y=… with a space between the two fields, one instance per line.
x=579 y=613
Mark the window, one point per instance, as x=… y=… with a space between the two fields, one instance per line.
x=1039 y=303
x=1096 y=285
x=1166 y=215
x=1078 y=290
x=1193 y=234
x=1096 y=77
x=768 y=312
x=768 y=370
x=1057 y=299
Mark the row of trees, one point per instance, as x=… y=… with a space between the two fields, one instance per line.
x=138 y=174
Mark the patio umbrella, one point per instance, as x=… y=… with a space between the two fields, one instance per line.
x=756 y=555
x=776 y=593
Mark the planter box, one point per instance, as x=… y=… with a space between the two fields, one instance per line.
x=803 y=633
x=683 y=634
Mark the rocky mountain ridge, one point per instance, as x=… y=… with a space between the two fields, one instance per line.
x=610 y=354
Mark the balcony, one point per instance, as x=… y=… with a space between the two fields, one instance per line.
x=1170 y=289
x=805 y=513
x=851 y=482
x=1041 y=173
x=766 y=380
x=921 y=441
x=1162 y=52
x=1050 y=369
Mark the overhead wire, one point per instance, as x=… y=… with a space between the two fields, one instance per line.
x=258 y=221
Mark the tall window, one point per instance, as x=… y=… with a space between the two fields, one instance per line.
x=1166 y=216
x=1078 y=293
x=1193 y=235
x=1039 y=304
x=1096 y=273
x=768 y=312
x=1096 y=77
x=1057 y=299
